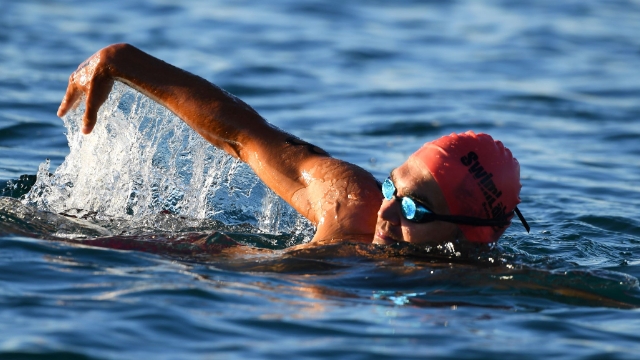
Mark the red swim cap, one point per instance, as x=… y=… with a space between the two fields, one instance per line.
x=478 y=176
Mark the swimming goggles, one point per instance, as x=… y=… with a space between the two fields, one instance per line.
x=417 y=212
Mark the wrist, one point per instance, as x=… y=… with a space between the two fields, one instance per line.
x=113 y=56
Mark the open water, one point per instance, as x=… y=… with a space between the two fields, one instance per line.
x=126 y=250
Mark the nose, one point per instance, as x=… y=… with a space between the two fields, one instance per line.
x=390 y=211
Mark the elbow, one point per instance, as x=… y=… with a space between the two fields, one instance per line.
x=235 y=149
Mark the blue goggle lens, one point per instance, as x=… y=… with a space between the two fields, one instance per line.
x=388 y=189
x=408 y=208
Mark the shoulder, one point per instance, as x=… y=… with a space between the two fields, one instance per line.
x=344 y=199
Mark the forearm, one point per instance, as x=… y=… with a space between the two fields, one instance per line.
x=221 y=118
x=297 y=171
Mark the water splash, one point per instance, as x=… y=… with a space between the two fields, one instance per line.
x=142 y=160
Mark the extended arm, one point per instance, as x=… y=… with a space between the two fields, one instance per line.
x=334 y=195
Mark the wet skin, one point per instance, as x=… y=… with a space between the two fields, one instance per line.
x=339 y=198
x=412 y=179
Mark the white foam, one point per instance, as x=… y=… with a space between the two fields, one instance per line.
x=141 y=160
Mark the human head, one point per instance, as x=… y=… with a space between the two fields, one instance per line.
x=460 y=174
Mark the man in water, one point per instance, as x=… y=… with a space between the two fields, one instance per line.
x=461 y=187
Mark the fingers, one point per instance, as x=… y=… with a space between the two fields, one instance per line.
x=100 y=89
x=92 y=78
x=70 y=98
x=89 y=121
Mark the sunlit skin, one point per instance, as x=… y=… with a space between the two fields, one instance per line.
x=412 y=179
x=341 y=199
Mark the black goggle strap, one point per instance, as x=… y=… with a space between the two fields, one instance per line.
x=465 y=220
x=524 y=222
x=468 y=220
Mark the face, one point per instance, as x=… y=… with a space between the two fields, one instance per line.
x=412 y=179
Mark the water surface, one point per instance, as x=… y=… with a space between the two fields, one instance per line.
x=369 y=81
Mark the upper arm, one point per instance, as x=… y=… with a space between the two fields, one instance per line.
x=338 y=197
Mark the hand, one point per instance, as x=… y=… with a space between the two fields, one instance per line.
x=93 y=79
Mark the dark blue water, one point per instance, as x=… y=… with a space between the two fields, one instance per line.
x=369 y=81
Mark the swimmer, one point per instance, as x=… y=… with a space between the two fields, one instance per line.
x=460 y=188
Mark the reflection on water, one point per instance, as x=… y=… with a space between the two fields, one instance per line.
x=446 y=279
